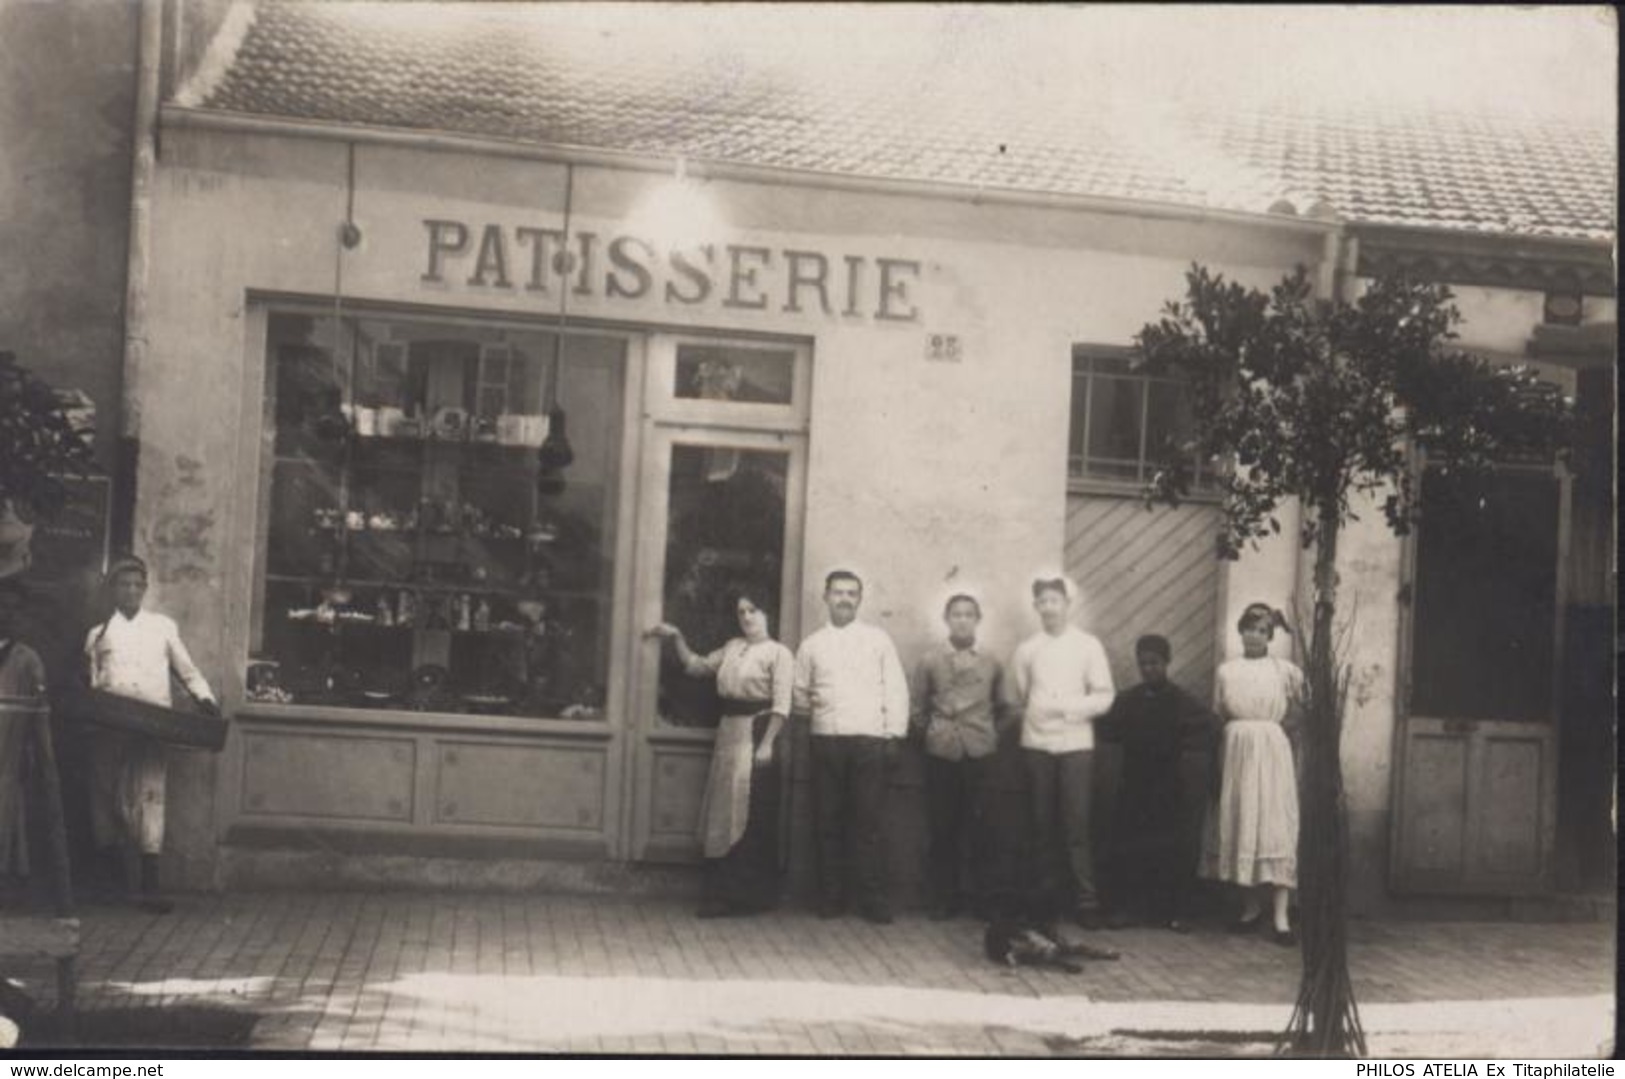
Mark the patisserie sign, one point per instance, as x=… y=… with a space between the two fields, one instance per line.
x=527 y=260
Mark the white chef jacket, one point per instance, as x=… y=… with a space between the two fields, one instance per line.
x=132 y=657
x=850 y=681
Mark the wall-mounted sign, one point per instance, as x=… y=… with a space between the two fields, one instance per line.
x=72 y=541
x=527 y=260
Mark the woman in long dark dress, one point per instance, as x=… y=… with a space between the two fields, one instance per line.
x=739 y=818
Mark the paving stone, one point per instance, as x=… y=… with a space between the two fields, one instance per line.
x=639 y=976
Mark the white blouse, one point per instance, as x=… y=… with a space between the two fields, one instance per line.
x=1260 y=689
x=753 y=671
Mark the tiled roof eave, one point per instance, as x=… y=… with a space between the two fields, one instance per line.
x=1423 y=235
x=182 y=116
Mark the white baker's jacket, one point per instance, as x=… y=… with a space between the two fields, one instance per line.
x=133 y=656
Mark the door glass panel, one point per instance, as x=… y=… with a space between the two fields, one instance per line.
x=1486 y=596
x=724 y=535
x=731 y=373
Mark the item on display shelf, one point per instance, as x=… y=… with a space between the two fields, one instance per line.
x=406 y=609
x=355 y=521
x=390 y=421
x=386 y=616
x=329 y=518
x=588 y=703
x=365 y=421
x=450 y=424
x=484 y=429
x=262 y=683
x=555 y=453
x=521 y=429
x=482 y=616
x=428 y=687
x=464 y=613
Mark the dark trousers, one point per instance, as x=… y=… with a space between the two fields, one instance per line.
x=849 y=805
x=1157 y=835
x=747 y=877
x=1060 y=872
x=958 y=806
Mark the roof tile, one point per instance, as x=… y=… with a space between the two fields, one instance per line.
x=543 y=74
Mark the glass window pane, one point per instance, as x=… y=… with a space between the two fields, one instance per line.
x=1114 y=420
x=725 y=534
x=734 y=373
x=1101 y=364
x=1168 y=422
x=429 y=545
x=1079 y=426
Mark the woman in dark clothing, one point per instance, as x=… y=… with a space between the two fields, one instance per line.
x=1157 y=723
x=739 y=819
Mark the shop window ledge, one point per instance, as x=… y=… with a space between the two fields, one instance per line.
x=340 y=718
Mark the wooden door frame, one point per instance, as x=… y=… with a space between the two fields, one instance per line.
x=667 y=422
x=1405 y=682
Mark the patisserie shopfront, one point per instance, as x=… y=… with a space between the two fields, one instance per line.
x=434 y=429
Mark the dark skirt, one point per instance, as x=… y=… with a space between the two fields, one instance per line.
x=748 y=877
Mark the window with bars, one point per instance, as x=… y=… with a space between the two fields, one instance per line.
x=1125 y=423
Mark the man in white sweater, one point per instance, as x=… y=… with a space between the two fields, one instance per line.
x=1061 y=681
x=850 y=684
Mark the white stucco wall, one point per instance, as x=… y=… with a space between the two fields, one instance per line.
x=918 y=470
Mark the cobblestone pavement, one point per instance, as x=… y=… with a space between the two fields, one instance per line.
x=409 y=972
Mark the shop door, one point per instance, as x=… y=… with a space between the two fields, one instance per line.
x=720 y=512
x=1475 y=802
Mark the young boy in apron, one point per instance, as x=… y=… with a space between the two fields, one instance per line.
x=132 y=654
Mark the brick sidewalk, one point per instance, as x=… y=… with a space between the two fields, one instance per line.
x=571 y=974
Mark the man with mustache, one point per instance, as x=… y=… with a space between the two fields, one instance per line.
x=850 y=683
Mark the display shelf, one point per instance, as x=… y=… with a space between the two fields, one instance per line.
x=514 y=592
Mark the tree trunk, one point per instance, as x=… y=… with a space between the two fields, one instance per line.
x=1325 y=1021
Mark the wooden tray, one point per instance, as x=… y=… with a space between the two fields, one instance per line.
x=191 y=730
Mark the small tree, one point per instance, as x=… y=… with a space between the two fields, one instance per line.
x=40 y=444
x=1326 y=401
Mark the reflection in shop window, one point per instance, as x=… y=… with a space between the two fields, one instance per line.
x=725 y=536
x=709 y=372
x=409 y=557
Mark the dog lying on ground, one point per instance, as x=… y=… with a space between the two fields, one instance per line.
x=1012 y=943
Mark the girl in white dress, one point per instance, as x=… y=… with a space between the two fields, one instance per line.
x=1251 y=839
x=739 y=817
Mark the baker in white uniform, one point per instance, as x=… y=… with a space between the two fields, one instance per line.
x=132 y=654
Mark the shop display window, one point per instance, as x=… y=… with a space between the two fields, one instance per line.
x=437 y=506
